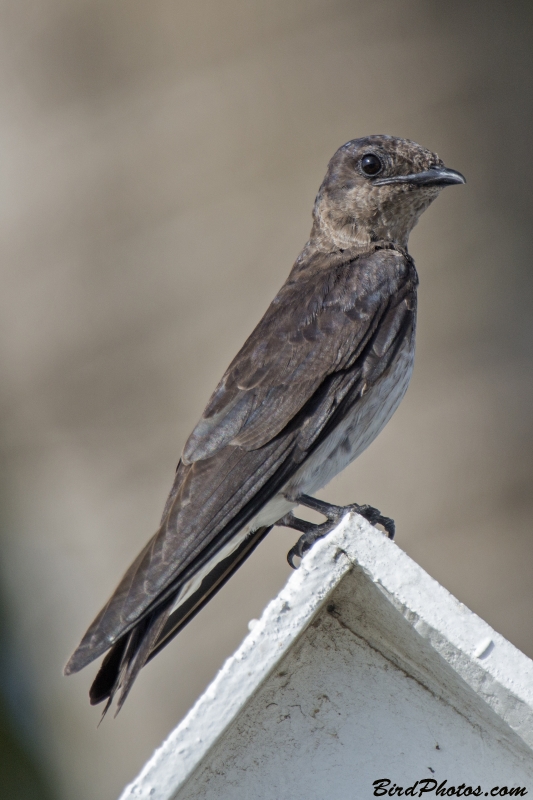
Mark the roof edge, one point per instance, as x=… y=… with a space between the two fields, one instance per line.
x=492 y=666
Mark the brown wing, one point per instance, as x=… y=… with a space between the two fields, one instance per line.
x=309 y=332
x=290 y=382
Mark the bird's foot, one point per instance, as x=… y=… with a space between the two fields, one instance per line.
x=311 y=532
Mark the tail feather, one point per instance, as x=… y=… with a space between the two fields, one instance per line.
x=104 y=685
x=126 y=659
x=130 y=653
x=142 y=643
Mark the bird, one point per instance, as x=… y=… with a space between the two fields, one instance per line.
x=311 y=388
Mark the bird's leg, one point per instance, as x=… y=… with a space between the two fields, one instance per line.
x=336 y=513
x=312 y=532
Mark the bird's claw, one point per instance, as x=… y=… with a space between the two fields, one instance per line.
x=307 y=540
x=311 y=533
x=374 y=516
x=294 y=552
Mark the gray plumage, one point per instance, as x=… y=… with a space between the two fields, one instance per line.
x=313 y=385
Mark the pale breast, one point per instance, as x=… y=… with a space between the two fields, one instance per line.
x=359 y=429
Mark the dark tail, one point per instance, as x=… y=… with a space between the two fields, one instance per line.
x=131 y=652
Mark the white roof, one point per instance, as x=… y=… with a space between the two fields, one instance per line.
x=362 y=668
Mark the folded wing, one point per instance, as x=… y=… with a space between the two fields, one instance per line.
x=325 y=334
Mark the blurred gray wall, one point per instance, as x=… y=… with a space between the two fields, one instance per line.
x=158 y=165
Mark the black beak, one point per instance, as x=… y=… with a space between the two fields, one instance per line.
x=434 y=176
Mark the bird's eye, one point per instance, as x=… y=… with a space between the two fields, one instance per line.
x=371 y=164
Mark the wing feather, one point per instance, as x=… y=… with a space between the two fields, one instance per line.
x=310 y=330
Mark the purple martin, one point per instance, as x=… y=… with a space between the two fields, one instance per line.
x=314 y=384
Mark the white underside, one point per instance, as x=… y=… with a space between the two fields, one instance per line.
x=343 y=446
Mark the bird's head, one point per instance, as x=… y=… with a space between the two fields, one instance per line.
x=375 y=190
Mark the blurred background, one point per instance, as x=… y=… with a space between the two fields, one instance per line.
x=158 y=166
